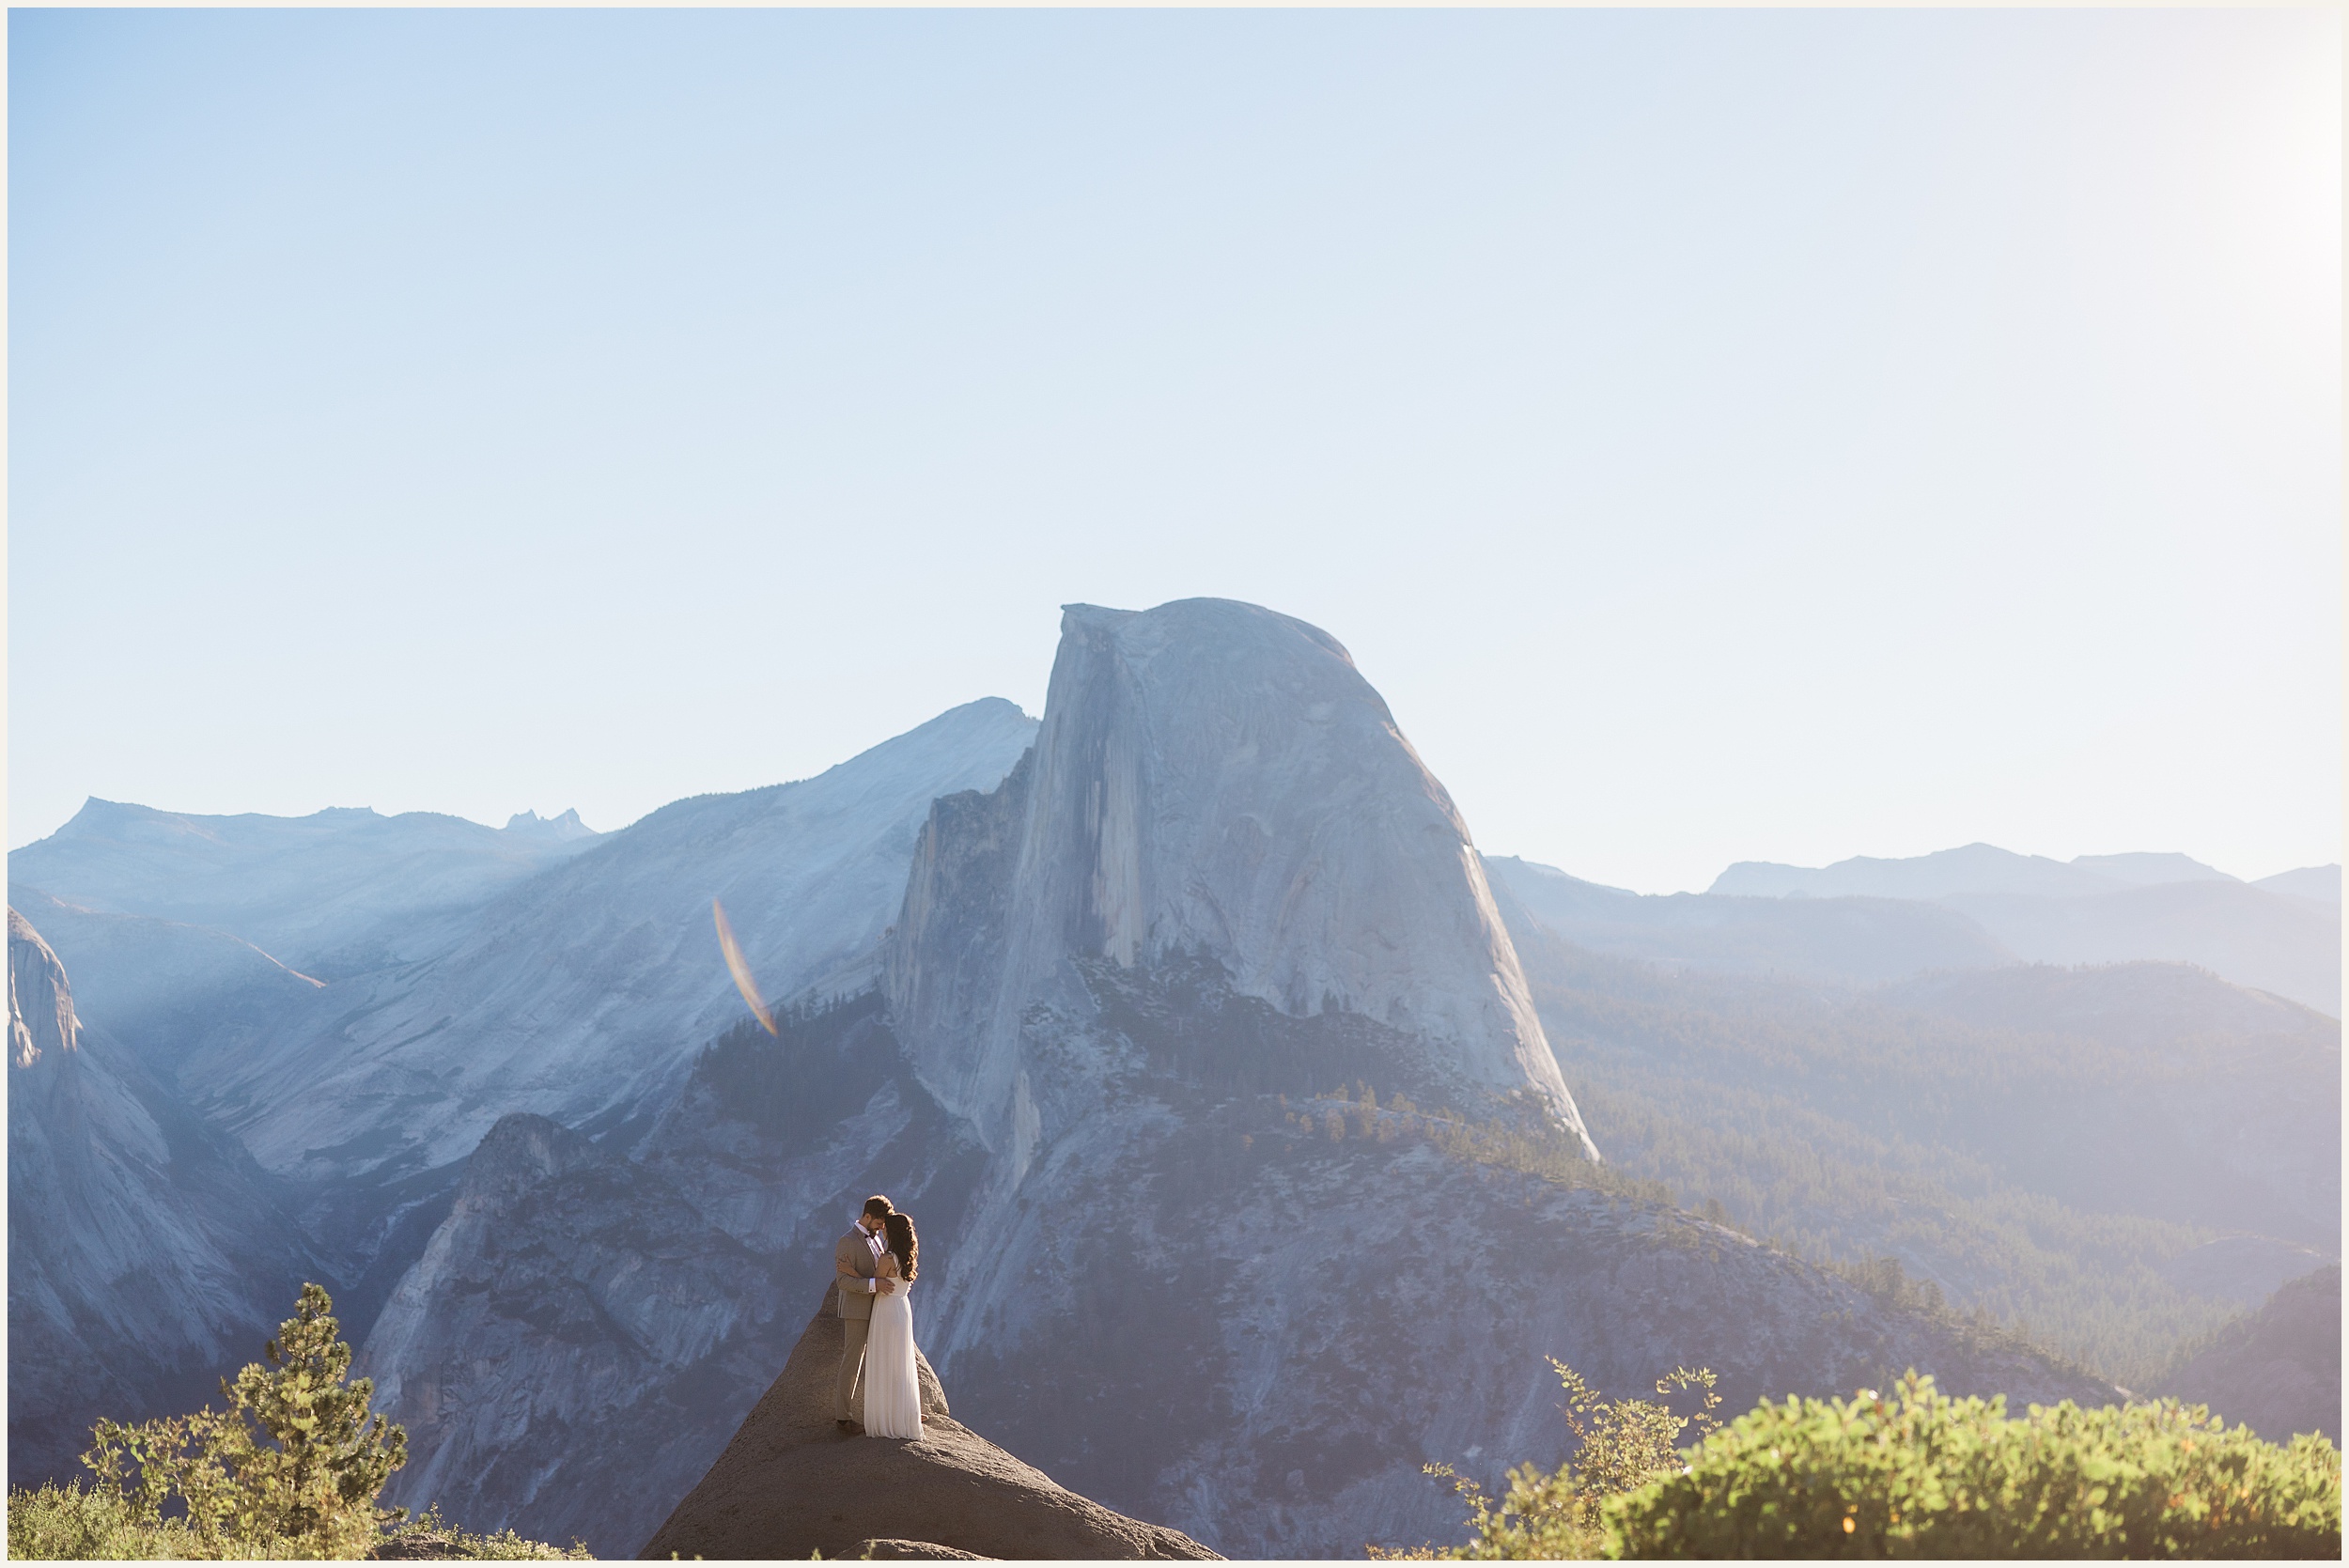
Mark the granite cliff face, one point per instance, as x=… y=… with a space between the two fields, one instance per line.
x=1217 y=781
x=165 y=989
x=557 y=1310
x=145 y=1252
x=41 y=1001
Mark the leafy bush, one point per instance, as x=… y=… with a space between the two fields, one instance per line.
x=93 y=1524
x=98 y=1525
x=1622 y=1445
x=1919 y=1474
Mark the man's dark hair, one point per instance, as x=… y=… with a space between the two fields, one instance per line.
x=880 y=1205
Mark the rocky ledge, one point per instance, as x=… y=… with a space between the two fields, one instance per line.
x=790 y=1484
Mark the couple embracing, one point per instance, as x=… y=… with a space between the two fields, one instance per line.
x=875 y=1268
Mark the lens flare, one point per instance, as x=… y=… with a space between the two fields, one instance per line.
x=741 y=967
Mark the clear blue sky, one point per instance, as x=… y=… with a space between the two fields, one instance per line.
x=1720 y=436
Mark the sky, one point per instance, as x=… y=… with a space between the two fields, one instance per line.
x=1720 y=436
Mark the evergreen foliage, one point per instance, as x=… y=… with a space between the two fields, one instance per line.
x=291 y=1468
x=318 y=1457
x=295 y=1456
x=1919 y=1474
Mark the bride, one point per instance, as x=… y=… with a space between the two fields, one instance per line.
x=893 y=1389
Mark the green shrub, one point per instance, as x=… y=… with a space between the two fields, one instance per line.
x=1622 y=1445
x=431 y=1536
x=1919 y=1474
x=96 y=1524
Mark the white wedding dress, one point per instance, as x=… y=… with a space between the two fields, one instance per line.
x=893 y=1389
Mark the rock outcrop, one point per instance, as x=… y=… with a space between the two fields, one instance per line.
x=792 y=1486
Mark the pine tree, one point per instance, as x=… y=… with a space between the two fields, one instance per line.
x=326 y=1457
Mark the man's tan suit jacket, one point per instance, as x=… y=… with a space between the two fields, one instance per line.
x=854 y=1254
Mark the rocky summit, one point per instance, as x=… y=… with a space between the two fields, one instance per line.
x=1217 y=782
x=792 y=1486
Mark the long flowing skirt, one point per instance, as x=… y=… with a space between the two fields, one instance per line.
x=893 y=1389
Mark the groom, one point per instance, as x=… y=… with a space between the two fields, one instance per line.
x=856 y=1259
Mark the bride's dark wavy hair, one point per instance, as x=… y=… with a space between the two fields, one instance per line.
x=898 y=1228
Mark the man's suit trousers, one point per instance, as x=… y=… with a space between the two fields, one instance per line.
x=846 y=1406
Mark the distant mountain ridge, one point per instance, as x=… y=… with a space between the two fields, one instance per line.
x=2319 y=883
x=1975 y=868
x=1857 y=940
x=2281 y=934
x=336 y=892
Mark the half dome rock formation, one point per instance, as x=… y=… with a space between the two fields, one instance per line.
x=1216 y=782
x=790 y=1484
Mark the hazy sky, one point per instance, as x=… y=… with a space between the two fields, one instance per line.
x=1720 y=436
